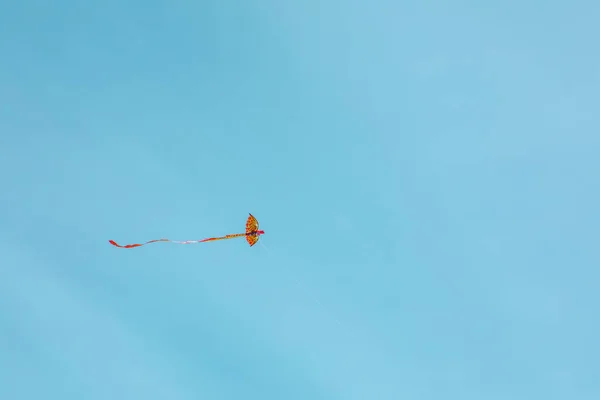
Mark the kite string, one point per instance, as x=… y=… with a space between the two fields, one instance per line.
x=303 y=287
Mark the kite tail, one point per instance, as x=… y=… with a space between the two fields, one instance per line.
x=129 y=246
x=233 y=236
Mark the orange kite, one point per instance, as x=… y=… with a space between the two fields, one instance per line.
x=252 y=234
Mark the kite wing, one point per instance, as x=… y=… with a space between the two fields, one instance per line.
x=251 y=230
x=251 y=225
x=252 y=240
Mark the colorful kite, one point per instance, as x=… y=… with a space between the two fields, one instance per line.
x=252 y=234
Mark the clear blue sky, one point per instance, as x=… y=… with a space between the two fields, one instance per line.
x=427 y=170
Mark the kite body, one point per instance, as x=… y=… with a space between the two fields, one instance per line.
x=252 y=234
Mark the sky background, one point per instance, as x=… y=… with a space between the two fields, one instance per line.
x=426 y=173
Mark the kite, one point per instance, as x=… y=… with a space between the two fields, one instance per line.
x=252 y=234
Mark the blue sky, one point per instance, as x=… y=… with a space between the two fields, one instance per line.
x=426 y=174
